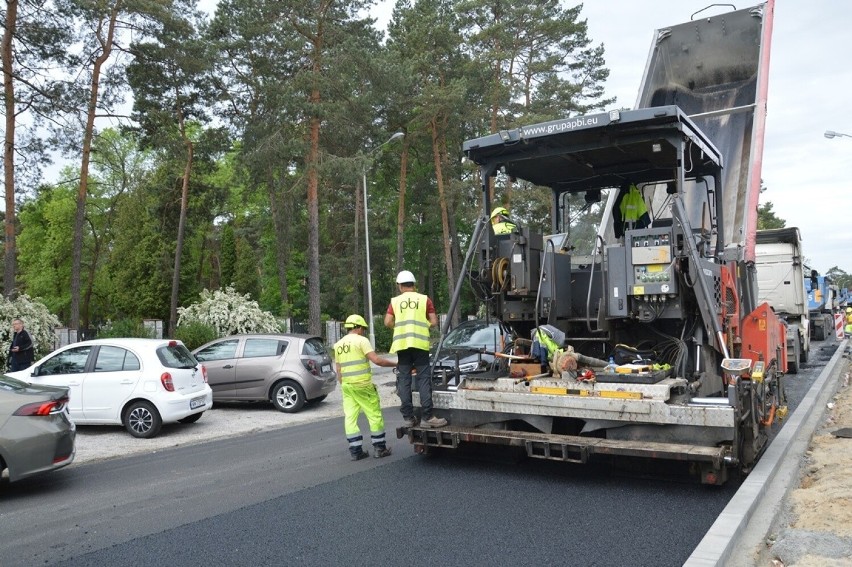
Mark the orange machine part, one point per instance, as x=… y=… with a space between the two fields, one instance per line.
x=764 y=337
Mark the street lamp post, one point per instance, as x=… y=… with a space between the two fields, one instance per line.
x=396 y=136
x=832 y=134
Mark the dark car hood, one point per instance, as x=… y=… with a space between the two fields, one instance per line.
x=465 y=355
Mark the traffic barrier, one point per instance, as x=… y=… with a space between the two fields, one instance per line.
x=839 y=320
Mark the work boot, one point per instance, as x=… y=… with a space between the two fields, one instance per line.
x=433 y=422
x=410 y=421
x=380 y=452
x=360 y=455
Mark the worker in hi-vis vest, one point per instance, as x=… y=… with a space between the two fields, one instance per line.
x=352 y=357
x=501 y=223
x=410 y=315
x=847 y=329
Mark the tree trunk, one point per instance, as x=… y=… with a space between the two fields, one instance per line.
x=455 y=254
x=90 y=284
x=83 y=190
x=314 y=312
x=10 y=262
x=439 y=174
x=359 y=260
x=314 y=99
x=400 y=217
x=184 y=205
x=282 y=239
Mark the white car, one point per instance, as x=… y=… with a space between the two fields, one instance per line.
x=138 y=383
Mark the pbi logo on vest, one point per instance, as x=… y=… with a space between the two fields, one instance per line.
x=409 y=303
x=343 y=349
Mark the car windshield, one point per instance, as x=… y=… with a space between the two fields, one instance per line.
x=474 y=336
x=176 y=356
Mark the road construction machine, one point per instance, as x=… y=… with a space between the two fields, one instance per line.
x=646 y=278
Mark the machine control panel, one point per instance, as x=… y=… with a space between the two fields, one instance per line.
x=650 y=265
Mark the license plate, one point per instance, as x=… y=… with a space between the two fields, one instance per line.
x=196 y=403
x=326 y=368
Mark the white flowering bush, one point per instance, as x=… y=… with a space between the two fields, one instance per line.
x=228 y=313
x=39 y=322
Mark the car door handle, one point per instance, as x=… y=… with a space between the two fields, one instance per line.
x=228 y=366
x=128 y=382
x=73 y=383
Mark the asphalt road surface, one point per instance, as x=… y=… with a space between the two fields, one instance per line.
x=292 y=496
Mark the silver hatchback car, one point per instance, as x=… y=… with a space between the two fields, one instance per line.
x=287 y=369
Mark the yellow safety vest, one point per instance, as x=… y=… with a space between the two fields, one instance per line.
x=505 y=227
x=411 y=326
x=548 y=343
x=633 y=206
x=350 y=353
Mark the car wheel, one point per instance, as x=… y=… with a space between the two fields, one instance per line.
x=191 y=418
x=318 y=399
x=142 y=420
x=288 y=396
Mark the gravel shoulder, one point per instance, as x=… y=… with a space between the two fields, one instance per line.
x=814 y=527
x=97 y=443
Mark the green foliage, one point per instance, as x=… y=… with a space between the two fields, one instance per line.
x=247 y=275
x=44 y=262
x=840 y=277
x=766 y=217
x=456 y=68
x=228 y=313
x=39 y=322
x=195 y=333
x=227 y=255
x=125 y=328
x=384 y=336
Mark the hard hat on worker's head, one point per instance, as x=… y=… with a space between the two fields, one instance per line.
x=405 y=277
x=849 y=309
x=355 y=321
x=499 y=211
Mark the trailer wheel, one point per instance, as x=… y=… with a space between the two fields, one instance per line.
x=819 y=330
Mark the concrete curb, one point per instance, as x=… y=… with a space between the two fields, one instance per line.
x=747 y=518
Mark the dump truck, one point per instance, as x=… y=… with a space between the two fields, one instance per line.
x=671 y=293
x=781 y=283
x=823 y=303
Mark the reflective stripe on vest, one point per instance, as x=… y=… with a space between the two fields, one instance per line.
x=411 y=326
x=505 y=227
x=633 y=205
x=354 y=366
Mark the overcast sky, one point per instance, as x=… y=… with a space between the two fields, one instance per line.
x=810 y=85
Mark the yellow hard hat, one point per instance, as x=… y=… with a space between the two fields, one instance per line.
x=355 y=321
x=499 y=211
x=849 y=309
